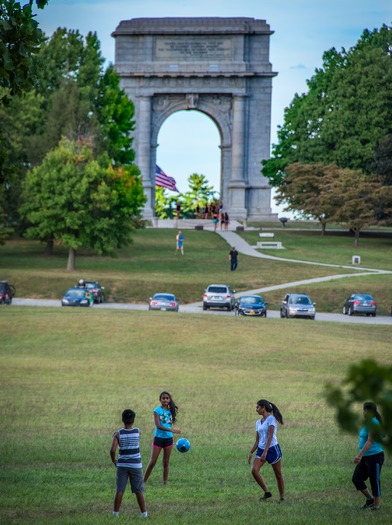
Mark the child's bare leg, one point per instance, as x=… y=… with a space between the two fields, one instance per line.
x=257 y=464
x=279 y=477
x=154 y=456
x=117 y=501
x=166 y=459
x=141 y=501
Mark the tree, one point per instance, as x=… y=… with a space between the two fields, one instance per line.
x=353 y=197
x=302 y=189
x=344 y=115
x=82 y=100
x=115 y=115
x=82 y=202
x=164 y=204
x=365 y=381
x=200 y=192
x=70 y=72
x=73 y=98
x=18 y=121
x=382 y=164
x=20 y=38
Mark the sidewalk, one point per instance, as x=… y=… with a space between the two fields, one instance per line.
x=233 y=239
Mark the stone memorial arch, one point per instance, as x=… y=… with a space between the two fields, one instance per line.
x=218 y=66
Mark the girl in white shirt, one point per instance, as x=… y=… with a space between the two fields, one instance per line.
x=267 y=447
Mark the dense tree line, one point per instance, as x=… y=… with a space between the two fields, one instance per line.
x=73 y=111
x=344 y=121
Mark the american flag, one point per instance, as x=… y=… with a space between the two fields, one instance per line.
x=163 y=180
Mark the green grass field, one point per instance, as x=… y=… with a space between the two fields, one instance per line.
x=66 y=375
x=150 y=265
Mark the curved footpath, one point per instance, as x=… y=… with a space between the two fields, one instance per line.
x=233 y=239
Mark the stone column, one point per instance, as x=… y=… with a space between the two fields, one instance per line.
x=144 y=154
x=237 y=184
x=238 y=139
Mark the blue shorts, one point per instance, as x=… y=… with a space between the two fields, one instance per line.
x=274 y=454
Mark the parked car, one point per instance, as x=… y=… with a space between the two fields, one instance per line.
x=360 y=303
x=251 y=305
x=297 y=305
x=7 y=292
x=218 y=296
x=75 y=297
x=164 y=301
x=96 y=289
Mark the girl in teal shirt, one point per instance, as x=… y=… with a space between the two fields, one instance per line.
x=370 y=458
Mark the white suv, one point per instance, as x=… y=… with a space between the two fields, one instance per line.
x=218 y=296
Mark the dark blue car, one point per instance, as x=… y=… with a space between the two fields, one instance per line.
x=75 y=297
x=252 y=305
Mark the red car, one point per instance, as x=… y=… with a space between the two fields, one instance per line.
x=7 y=292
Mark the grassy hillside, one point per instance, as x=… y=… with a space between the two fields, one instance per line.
x=150 y=265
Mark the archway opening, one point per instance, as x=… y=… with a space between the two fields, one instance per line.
x=188 y=142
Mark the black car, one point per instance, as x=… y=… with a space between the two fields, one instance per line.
x=7 y=292
x=252 y=305
x=75 y=297
x=96 y=289
x=360 y=303
x=297 y=305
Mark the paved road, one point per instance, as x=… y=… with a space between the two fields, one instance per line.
x=243 y=247
x=197 y=308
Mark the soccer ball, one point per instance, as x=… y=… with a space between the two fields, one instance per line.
x=183 y=445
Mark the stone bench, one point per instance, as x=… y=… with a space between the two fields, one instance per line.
x=264 y=245
x=267 y=235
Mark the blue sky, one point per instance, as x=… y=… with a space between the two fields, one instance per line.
x=304 y=29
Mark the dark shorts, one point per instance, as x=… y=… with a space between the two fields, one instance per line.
x=274 y=454
x=163 y=442
x=135 y=477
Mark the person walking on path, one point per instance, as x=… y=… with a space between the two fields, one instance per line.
x=164 y=416
x=233 y=258
x=226 y=221
x=180 y=242
x=267 y=447
x=215 y=221
x=129 y=463
x=370 y=458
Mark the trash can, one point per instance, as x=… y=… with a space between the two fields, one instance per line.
x=356 y=259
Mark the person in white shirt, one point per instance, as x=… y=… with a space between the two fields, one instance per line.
x=267 y=447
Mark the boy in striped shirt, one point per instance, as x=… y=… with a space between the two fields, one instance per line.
x=129 y=462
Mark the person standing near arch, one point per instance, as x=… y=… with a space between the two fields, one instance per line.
x=180 y=242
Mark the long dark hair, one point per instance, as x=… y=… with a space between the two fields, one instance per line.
x=369 y=406
x=271 y=408
x=172 y=406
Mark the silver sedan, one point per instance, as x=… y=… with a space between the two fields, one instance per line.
x=164 y=301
